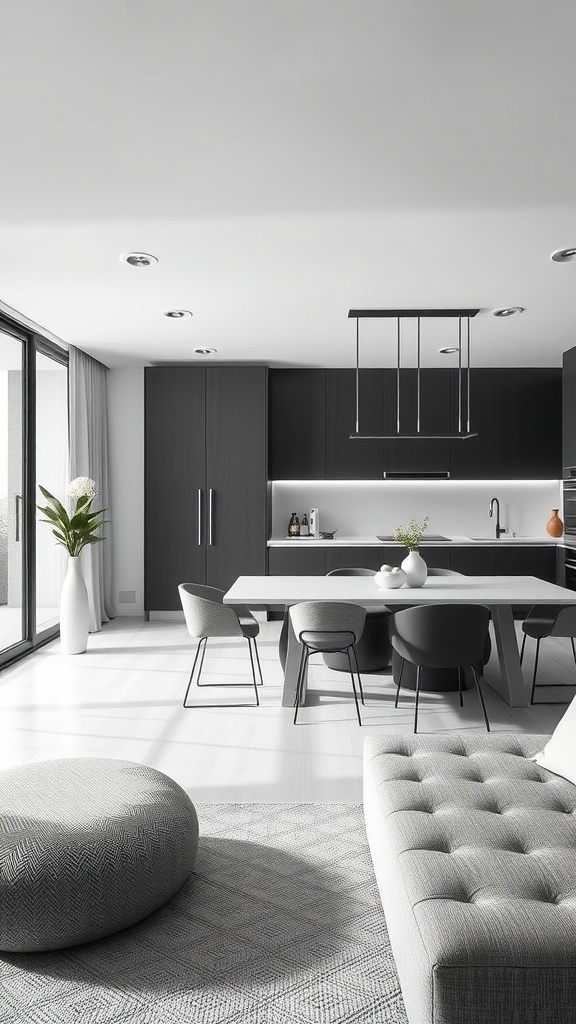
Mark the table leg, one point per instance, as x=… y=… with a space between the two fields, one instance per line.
x=293 y=654
x=509 y=681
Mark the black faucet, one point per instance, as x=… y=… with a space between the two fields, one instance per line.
x=499 y=529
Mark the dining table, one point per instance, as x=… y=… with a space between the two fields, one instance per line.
x=499 y=593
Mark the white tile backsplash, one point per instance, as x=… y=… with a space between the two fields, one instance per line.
x=455 y=507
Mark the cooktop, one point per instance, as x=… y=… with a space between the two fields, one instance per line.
x=427 y=536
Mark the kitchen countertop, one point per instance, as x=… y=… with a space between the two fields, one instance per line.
x=543 y=540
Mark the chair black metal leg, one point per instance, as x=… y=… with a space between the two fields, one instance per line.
x=573 y=648
x=460 y=685
x=522 y=648
x=535 y=670
x=201 y=644
x=261 y=683
x=199 y=659
x=300 y=681
x=358 y=674
x=354 y=686
x=253 y=671
x=477 y=681
x=418 y=671
x=399 y=681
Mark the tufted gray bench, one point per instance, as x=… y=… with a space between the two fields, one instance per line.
x=474 y=850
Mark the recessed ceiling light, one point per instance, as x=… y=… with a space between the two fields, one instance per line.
x=564 y=255
x=139 y=259
x=508 y=311
x=449 y=350
x=177 y=314
x=205 y=351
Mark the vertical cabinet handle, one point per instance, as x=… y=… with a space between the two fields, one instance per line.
x=18 y=502
x=210 y=516
x=199 y=517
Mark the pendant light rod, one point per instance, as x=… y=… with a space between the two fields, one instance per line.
x=357 y=376
x=468 y=388
x=417 y=380
x=398 y=357
x=459 y=374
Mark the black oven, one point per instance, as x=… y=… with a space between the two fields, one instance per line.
x=569 y=492
x=570 y=568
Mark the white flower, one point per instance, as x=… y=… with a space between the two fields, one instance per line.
x=82 y=487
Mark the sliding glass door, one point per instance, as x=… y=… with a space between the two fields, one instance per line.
x=51 y=469
x=12 y=486
x=33 y=448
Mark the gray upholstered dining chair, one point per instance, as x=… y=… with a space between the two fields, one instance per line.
x=206 y=616
x=441 y=636
x=544 y=620
x=373 y=650
x=323 y=627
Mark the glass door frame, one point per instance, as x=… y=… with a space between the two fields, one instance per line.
x=33 y=343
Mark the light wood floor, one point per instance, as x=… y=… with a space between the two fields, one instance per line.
x=123 y=699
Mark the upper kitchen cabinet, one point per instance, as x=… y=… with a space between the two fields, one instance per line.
x=534 y=423
x=424 y=408
x=346 y=458
x=205 y=462
x=297 y=402
x=569 y=408
x=484 y=457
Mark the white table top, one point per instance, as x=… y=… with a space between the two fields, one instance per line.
x=490 y=590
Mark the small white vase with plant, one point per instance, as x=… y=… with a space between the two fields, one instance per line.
x=413 y=565
x=74 y=530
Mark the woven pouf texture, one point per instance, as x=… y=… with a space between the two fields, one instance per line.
x=88 y=846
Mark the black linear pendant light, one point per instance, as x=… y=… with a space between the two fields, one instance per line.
x=464 y=316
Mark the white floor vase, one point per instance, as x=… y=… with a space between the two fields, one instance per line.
x=416 y=569
x=74 y=612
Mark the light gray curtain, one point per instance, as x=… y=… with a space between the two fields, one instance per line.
x=89 y=457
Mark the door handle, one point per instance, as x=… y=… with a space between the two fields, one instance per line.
x=199 y=517
x=18 y=503
x=210 y=517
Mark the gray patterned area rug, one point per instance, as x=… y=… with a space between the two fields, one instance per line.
x=281 y=923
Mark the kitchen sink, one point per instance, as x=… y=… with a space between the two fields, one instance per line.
x=427 y=536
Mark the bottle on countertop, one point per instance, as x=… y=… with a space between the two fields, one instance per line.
x=314 y=523
x=304 y=527
x=294 y=526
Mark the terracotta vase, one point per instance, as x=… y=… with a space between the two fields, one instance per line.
x=555 y=526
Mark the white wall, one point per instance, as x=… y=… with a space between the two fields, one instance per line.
x=126 y=455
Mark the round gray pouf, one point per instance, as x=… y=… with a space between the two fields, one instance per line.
x=88 y=846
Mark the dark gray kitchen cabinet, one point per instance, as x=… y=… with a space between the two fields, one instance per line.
x=346 y=458
x=534 y=423
x=480 y=560
x=484 y=457
x=205 y=478
x=569 y=408
x=427 y=453
x=297 y=403
x=533 y=561
x=360 y=557
x=297 y=561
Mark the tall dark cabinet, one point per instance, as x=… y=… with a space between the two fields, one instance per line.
x=569 y=408
x=205 y=478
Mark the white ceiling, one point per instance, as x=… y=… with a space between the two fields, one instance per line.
x=286 y=160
